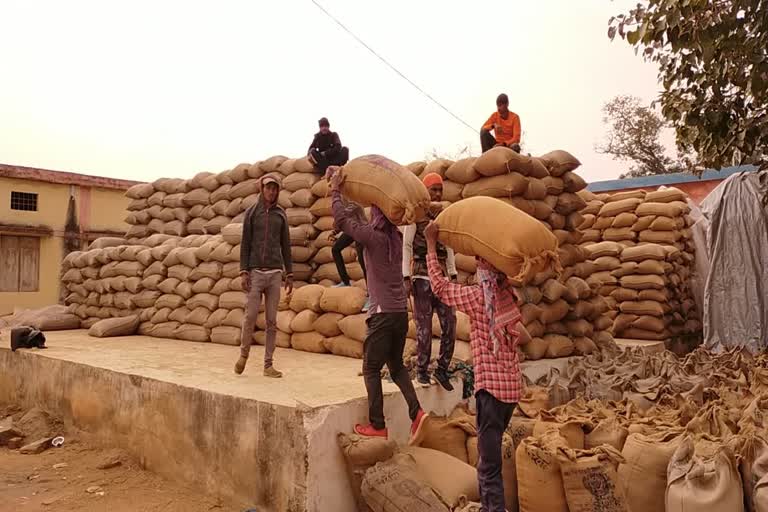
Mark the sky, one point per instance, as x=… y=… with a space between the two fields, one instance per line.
x=168 y=88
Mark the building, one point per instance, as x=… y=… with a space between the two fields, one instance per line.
x=697 y=188
x=44 y=215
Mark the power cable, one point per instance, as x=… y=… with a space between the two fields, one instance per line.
x=393 y=68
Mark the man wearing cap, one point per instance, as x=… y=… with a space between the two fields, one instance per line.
x=505 y=125
x=425 y=303
x=265 y=254
x=326 y=148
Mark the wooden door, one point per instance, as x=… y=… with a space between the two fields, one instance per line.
x=29 y=264
x=9 y=263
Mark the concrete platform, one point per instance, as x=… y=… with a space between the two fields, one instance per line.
x=181 y=410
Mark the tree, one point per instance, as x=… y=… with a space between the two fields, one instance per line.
x=633 y=135
x=713 y=65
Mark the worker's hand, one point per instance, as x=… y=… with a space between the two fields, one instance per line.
x=408 y=286
x=337 y=179
x=245 y=276
x=288 y=284
x=454 y=279
x=330 y=171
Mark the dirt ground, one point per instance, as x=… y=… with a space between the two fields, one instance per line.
x=69 y=478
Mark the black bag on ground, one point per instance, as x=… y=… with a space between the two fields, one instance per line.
x=27 y=337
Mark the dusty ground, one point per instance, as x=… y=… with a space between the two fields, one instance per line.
x=69 y=478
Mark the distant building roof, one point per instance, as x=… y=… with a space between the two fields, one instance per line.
x=666 y=179
x=63 y=178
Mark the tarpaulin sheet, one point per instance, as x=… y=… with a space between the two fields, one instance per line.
x=736 y=292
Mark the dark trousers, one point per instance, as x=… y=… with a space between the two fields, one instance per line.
x=324 y=160
x=425 y=304
x=487 y=141
x=342 y=242
x=492 y=419
x=384 y=344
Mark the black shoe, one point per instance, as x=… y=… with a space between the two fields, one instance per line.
x=423 y=378
x=444 y=380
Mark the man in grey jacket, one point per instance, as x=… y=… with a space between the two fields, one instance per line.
x=265 y=253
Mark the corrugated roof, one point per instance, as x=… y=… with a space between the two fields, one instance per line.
x=63 y=178
x=666 y=179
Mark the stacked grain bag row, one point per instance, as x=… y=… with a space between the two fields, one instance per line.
x=653 y=292
x=102 y=282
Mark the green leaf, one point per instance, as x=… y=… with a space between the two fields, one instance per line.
x=633 y=37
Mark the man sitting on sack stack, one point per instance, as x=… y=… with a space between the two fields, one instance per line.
x=505 y=125
x=425 y=303
x=326 y=148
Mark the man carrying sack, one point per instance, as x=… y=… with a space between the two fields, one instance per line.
x=495 y=333
x=425 y=303
x=265 y=253
x=326 y=148
x=505 y=126
x=388 y=314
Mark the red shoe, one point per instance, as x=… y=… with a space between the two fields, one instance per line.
x=370 y=431
x=416 y=426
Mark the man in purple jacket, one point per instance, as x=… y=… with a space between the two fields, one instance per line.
x=388 y=312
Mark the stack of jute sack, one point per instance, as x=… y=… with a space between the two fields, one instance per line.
x=643 y=258
x=680 y=434
x=561 y=311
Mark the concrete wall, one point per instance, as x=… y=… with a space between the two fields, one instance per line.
x=97 y=210
x=250 y=452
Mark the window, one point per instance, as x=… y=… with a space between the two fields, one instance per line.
x=19 y=263
x=26 y=201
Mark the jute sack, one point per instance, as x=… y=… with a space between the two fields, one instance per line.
x=322 y=207
x=590 y=480
x=360 y=453
x=232 y=233
x=452 y=191
x=347 y=301
x=616 y=207
x=396 y=486
x=343 y=346
x=584 y=346
x=553 y=312
x=643 y=282
x=559 y=162
x=125 y=326
x=308 y=342
x=375 y=180
x=330 y=271
x=642 y=307
x=354 y=327
x=666 y=195
x=660 y=237
x=450 y=478
x=535 y=349
x=506 y=185
x=673 y=209
x=530 y=249
x=539 y=481
x=643 y=475
x=307 y=297
x=697 y=483
x=463 y=171
x=608 y=431
x=226 y=335
x=570 y=431
x=327 y=324
x=190 y=332
x=303 y=321
x=445 y=435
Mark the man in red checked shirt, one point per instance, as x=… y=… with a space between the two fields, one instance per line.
x=495 y=331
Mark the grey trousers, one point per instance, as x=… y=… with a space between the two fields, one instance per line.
x=268 y=285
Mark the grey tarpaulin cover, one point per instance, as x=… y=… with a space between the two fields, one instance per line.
x=736 y=292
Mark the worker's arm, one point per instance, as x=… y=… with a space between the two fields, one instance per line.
x=313 y=145
x=349 y=223
x=246 y=241
x=450 y=263
x=488 y=126
x=285 y=248
x=517 y=131
x=409 y=233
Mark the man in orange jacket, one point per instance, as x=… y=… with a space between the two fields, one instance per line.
x=505 y=126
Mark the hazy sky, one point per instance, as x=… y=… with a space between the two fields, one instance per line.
x=145 y=89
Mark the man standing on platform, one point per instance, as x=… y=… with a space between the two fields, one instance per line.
x=326 y=148
x=505 y=125
x=388 y=314
x=265 y=253
x=495 y=332
x=425 y=303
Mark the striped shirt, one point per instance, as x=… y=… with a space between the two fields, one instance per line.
x=498 y=374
